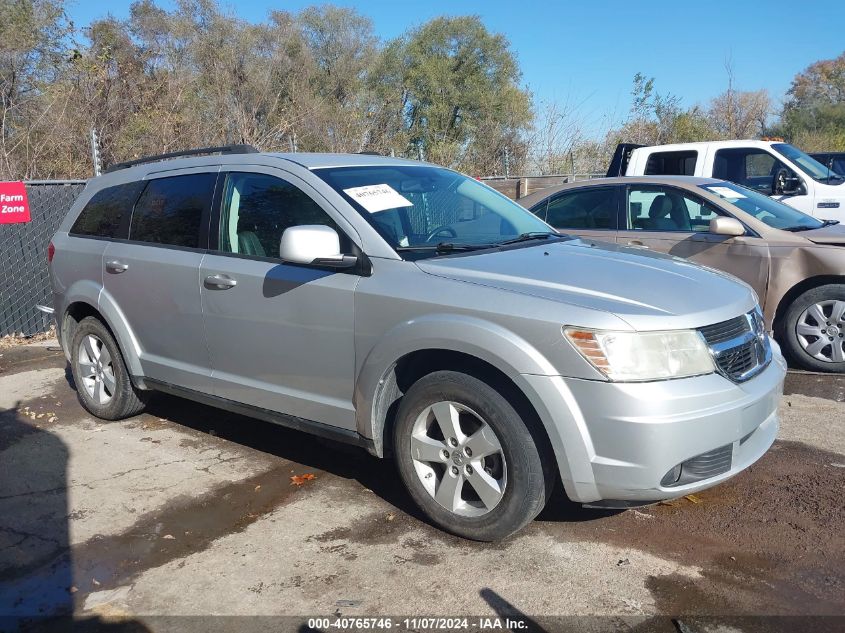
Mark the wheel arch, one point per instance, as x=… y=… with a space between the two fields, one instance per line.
x=796 y=291
x=81 y=306
x=481 y=349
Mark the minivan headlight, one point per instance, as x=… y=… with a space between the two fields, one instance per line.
x=641 y=356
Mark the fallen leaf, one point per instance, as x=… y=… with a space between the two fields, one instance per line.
x=666 y=503
x=168 y=536
x=258 y=487
x=298 y=480
x=693 y=498
x=391 y=516
x=73 y=590
x=95 y=581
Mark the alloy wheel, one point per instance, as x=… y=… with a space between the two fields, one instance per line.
x=821 y=331
x=96 y=370
x=459 y=459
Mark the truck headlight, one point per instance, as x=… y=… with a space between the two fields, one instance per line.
x=642 y=356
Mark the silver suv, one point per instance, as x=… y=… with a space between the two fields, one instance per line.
x=415 y=312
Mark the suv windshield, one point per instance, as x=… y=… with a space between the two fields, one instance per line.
x=810 y=165
x=774 y=213
x=426 y=210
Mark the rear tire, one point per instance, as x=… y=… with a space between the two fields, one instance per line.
x=813 y=329
x=100 y=375
x=484 y=479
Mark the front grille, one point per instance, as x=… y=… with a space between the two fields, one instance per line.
x=726 y=330
x=740 y=346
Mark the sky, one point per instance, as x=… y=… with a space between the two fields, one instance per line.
x=585 y=54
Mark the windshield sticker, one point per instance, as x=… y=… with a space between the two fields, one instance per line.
x=375 y=198
x=726 y=192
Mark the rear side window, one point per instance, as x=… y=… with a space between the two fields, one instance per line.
x=593 y=208
x=170 y=210
x=107 y=212
x=671 y=163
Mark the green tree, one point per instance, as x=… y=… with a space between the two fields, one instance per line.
x=460 y=95
x=813 y=116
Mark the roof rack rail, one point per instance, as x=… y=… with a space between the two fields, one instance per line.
x=369 y=153
x=221 y=149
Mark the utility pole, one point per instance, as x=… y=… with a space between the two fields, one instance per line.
x=95 y=151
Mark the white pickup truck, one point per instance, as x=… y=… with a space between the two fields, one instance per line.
x=771 y=167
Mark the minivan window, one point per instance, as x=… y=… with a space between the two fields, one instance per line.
x=591 y=208
x=170 y=210
x=258 y=208
x=105 y=213
x=422 y=208
x=671 y=163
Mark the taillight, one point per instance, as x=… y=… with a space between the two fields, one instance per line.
x=51 y=250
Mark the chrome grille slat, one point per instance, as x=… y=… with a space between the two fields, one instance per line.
x=726 y=330
x=740 y=347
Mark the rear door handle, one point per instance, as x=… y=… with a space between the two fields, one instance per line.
x=220 y=282
x=115 y=266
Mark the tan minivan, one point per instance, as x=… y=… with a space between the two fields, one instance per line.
x=795 y=263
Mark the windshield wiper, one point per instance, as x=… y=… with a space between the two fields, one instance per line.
x=829 y=222
x=796 y=229
x=534 y=235
x=443 y=247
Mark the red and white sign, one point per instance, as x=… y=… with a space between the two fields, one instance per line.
x=14 y=205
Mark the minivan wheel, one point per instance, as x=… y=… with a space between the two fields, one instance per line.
x=814 y=329
x=467 y=457
x=100 y=375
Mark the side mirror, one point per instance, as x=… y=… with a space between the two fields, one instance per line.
x=314 y=244
x=786 y=183
x=726 y=226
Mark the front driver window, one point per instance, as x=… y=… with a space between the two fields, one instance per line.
x=748 y=166
x=668 y=209
x=257 y=209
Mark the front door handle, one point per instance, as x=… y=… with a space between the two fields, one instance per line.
x=220 y=282
x=114 y=266
x=637 y=243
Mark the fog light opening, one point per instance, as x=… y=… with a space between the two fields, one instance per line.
x=673 y=476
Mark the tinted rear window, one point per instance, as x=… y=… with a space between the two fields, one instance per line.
x=671 y=163
x=170 y=210
x=107 y=211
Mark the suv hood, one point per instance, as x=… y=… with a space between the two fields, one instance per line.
x=834 y=234
x=650 y=291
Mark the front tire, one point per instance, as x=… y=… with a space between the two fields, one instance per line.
x=100 y=375
x=467 y=457
x=813 y=329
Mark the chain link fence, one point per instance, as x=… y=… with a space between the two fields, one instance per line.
x=24 y=281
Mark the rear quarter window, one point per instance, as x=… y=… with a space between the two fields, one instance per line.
x=671 y=163
x=107 y=212
x=170 y=210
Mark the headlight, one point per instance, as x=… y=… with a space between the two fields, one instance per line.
x=640 y=356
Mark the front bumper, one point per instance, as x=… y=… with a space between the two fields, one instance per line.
x=633 y=434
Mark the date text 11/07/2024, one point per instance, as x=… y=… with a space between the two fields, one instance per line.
x=418 y=623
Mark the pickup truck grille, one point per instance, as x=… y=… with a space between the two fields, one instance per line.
x=740 y=346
